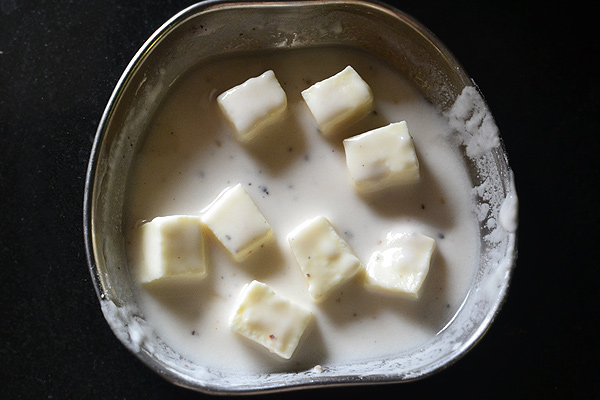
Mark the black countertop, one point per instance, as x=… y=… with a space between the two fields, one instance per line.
x=59 y=62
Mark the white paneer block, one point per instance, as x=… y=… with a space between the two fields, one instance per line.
x=339 y=101
x=382 y=157
x=402 y=264
x=253 y=105
x=173 y=250
x=325 y=259
x=270 y=319
x=237 y=222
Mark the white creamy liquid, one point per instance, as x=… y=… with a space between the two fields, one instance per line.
x=293 y=173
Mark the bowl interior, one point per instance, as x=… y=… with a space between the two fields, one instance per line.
x=213 y=29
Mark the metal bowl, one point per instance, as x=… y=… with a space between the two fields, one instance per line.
x=213 y=28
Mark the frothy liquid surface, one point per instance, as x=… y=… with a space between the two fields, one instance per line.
x=293 y=173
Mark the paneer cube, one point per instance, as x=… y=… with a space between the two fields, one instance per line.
x=172 y=249
x=382 y=157
x=325 y=259
x=253 y=105
x=237 y=222
x=270 y=319
x=401 y=265
x=339 y=101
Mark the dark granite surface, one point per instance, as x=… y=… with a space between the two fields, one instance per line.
x=59 y=61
